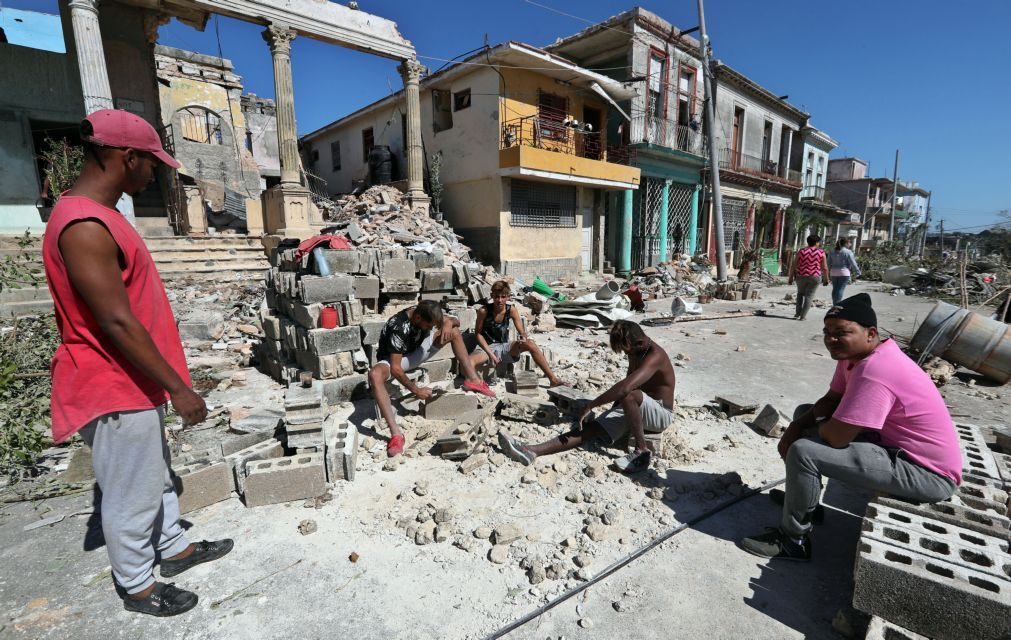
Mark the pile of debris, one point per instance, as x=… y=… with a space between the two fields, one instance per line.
x=684 y=275
x=981 y=282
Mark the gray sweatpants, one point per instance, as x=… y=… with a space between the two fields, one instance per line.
x=807 y=286
x=140 y=509
x=865 y=465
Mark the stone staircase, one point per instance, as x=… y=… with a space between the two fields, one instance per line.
x=216 y=257
x=28 y=300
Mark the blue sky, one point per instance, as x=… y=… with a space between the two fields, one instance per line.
x=929 y=77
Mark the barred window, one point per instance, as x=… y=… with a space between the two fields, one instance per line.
x=541 y=204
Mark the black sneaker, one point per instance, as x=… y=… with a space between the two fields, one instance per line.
x=777 y=545
x=204 y=552
x=164 y=601
x=515 y=449
x=633 y=462
x=779 y=497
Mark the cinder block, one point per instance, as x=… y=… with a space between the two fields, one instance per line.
x=982 y=494
x=297 y=397
x=324 y=289
x=438 y=370
x=351 y=312
x=436 y=279
x=569 y=400
x=202 y=483
x=246 y=440
x=450 y=405
x=305 y=315
x=341 y=260
x=270 y=296
x=238 y=461
x=460 y=274
x=735 y=406
x=977 y=458
x=341 y=450
x=371 y=330
x=929 y=596
x=468 y=318
x=517 y=407
x=881 y=629
x=1003 y=461
x=328 y=367
x=304 y=434
x=322 y=342
x=947 y=543
x=770 y=421
x=285 y=479
x=402 y=286
x=397 y=269
x=424 y=260
x=345 y=389
x=989 y=524
x=201 y=326
x=366 y=287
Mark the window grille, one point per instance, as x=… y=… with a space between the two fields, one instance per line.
x=540 y=204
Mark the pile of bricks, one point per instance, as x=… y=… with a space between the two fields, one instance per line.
x=738 y=291
x=941 y=570
x=361 y=284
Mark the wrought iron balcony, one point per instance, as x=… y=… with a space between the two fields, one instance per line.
x=559 y=133
x=668 y=133
x=739 y=162
x=814 y=192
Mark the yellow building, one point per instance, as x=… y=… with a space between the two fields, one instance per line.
x=525 y=157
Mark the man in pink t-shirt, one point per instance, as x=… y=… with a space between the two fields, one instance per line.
x=882 y=427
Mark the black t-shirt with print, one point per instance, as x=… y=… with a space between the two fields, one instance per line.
x=399 y=336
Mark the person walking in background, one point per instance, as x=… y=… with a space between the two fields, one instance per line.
x=809 y=266
x=842 y=266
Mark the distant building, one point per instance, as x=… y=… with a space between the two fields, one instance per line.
x=526 y=159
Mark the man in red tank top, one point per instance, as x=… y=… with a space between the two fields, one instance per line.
x=119 y=360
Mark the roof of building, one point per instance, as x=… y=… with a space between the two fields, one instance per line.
x=820 y=137
x=611 y=29
x=738 y=79
x=513 y=54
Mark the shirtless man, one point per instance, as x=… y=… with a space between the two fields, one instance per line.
x=643 y=401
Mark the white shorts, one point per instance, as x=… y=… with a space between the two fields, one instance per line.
x=655 y=418
x=501 y=351
x=416 y=358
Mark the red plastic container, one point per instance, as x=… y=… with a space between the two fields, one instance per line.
x=328 y=318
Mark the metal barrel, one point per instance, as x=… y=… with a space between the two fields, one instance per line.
x=983 y=345
x=938 y=328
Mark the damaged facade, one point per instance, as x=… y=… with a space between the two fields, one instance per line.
x=522 y=151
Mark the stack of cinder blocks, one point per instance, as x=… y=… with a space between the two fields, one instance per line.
x=941 y=570
x=361 y=282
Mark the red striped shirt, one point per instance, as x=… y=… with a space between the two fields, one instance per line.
x=809 y=261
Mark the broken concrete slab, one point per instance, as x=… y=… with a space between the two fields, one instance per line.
x=525 y=409
x=450 y=405
x=324 y=289
x=735 y=406
x=771 y=422
x=397 y=269
x=436 y=279
x=323 y=342
x=202 y=326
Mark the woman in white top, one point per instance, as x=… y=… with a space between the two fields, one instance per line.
x=841 y=265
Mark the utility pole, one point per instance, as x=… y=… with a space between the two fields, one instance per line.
x=895 y=193
x=942 y=238
x=926 y=225
x=714 y=161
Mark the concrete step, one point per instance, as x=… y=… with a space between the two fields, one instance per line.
x=212 y=266
x=28 y=294
x=196 y=255
x=175 y=242
x=29 y=308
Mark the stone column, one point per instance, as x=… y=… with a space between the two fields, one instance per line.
x=279 y=39
x=289 y=209
x=625 y=248
x=90 y=55
x=410 y=71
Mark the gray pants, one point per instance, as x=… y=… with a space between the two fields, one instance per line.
x=807 y=286
x=865 y=465
x=140 y=509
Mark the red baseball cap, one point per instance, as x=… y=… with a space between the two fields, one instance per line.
x=124 y=130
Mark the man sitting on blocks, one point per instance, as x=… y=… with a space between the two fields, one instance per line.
x=643 y=401
x=881 y=427
x=407 y=340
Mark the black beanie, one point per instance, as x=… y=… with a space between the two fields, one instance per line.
x=856 y=308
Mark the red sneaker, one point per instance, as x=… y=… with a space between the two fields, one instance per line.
x=479 y=387
x=396 y=445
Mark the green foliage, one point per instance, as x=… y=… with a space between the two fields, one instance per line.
x=63 y=165
x=26 y=349
x=22 y=268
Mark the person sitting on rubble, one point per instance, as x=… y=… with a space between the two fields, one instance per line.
x=642 y=401
x=882 y=426
x=405 y=343
x=492 y=330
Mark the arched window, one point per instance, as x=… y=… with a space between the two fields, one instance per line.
x=198 y=124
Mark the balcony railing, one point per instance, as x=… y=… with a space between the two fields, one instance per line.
x=553 y=133
x=668 y=133
x=769 y=169
x=813 y=192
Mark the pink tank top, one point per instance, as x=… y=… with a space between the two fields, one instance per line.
x=91 y=377
x=809 y=261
